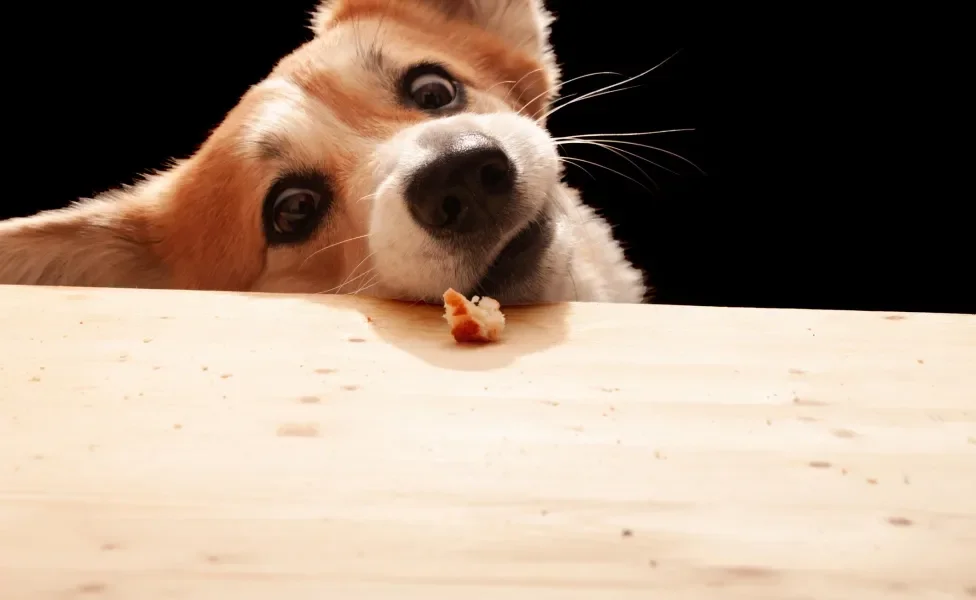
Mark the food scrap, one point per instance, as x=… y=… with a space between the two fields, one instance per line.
x=479 y=320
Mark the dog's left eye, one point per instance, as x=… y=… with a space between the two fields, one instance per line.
x=430 y=88
x=293 y=209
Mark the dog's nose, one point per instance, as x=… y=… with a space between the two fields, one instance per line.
x=464 y=187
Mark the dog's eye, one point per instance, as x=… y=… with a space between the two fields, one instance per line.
x=294 y=208
x=431 y=92
x=430 y=88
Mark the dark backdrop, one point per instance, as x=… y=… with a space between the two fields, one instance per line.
x=825 y=186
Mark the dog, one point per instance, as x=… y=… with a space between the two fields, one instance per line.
x=400 y=152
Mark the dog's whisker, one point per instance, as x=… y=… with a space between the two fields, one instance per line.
x=570 y=161
x=588 y=96
x=585 y=96
x=607 y=88
x=623 y=134
x=364 y=288
x=678 y=156
x=624 y=175
x=515 y=85
x=498 y=84
x=321 y=250
x=562 y=100
x=619 y=152
x=336 y=287
x=561 y=85
x=371 y=282
x=368 y=256
x=624 y=155
x=533 y=117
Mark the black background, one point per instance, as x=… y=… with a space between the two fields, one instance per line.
x=825 y=136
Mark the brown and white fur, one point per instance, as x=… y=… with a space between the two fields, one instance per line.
x=333 y=107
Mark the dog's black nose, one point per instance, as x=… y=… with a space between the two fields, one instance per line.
x=464 y=187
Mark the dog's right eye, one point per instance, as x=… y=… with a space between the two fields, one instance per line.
x=430 y=88
x=294 y=208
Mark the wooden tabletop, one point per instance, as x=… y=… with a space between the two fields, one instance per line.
x=200 y=445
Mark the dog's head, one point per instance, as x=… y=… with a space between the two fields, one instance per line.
x=421 y=118
x=400 y=152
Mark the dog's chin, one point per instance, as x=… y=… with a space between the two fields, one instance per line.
x=515 y=275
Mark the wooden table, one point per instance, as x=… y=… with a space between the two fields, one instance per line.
x=202 y=445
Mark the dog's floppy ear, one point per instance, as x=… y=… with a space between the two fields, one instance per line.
x=194 y=226
x=521 y=24
x=101 y=243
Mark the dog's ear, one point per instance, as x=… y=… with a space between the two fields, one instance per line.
x=521 y=24
x=194 y=226
x=99 y=243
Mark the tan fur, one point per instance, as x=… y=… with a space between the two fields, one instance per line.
x=105 y=242
x=198 y=225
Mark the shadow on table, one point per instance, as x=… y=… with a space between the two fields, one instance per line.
x=421 y=331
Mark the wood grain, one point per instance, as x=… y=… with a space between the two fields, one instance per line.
x=201 y=445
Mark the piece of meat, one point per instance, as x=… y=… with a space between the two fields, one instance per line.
x=479 y=320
